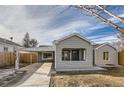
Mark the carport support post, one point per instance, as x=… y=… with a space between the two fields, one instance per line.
x=17 y=60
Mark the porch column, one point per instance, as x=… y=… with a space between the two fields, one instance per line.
x=70 y=55
x=80 y=55
x=17 y=60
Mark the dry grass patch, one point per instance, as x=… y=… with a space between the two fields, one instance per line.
x=113 y=77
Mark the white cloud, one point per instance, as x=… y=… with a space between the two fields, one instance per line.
x=17 y=20
x=98 y=26
x=104 y=38
x=115 y=20
x=103 y=24
x=50 y=35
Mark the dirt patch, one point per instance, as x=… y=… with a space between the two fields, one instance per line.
x=113 y=77
x=5 y=81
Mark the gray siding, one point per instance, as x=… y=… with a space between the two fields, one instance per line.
x=73 y=42
x=113 y=54
x=11 y=48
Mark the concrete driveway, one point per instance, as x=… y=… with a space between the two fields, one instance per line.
x=39 y=78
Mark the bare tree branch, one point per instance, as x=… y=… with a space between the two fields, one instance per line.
x=110 y=14
x=88 y=9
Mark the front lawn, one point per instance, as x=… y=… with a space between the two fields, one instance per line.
x=113 y=77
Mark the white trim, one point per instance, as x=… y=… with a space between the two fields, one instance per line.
x=55 y=57
x=80 y=57
x=70 y=55
x=104 y=45
x=71 y=35
x=84 y=54
x=108 y=56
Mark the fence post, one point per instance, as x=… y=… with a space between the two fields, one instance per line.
x=17 y=60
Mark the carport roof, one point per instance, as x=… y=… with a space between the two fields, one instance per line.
x=39 y=49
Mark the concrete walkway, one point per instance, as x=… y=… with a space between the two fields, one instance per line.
x=40 y=78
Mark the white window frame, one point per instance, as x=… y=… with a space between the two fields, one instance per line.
x=5 y=49
x=69 y=55
x=14 y=49
x=105 y=56
x=47 y=58
x=80 y=54
x=84 y=55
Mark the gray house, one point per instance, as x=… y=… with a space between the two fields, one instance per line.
x=8 y=45
x=105 y=54
x=74 y=53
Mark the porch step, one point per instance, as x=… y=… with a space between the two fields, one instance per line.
x=96 y=68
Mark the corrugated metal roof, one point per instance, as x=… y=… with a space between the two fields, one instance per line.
x=38 y=49
x=45 y=45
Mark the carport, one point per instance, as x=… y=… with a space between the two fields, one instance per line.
x=45 y=54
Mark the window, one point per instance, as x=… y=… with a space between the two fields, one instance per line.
x=5 y=49
x=66 y=55
x=74 y=54
x=14 y=49
x=47 y=55
x=106 y=56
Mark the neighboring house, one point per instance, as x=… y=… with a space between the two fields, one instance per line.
x=8 y=46
x=74 y=52
x=45 y=53
x=105 y=54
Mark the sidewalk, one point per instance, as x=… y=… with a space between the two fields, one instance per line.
x=40 y=78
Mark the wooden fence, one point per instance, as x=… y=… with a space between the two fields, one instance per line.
x=29 y=57
x=9 y=58
x=121 y=58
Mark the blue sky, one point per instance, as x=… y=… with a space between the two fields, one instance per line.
x=47 y=23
